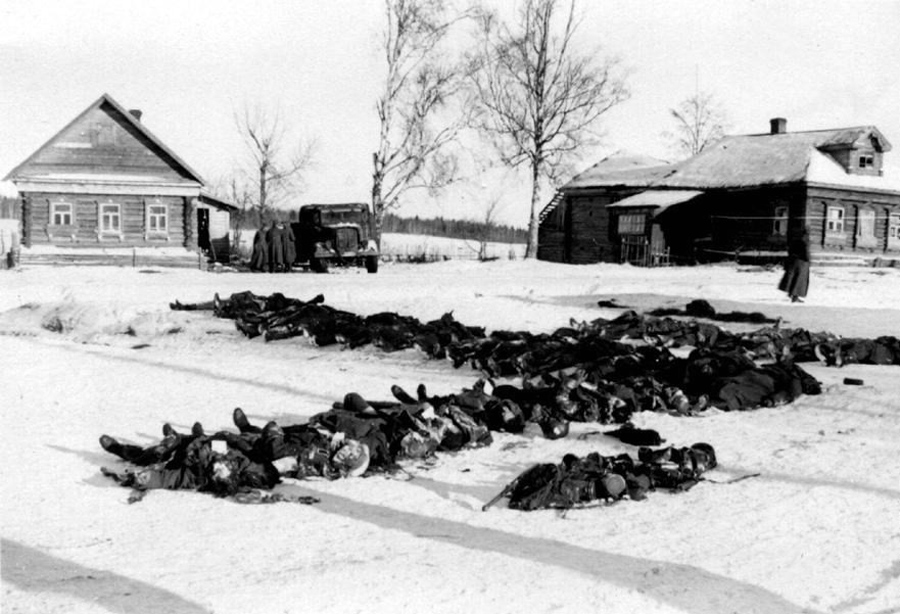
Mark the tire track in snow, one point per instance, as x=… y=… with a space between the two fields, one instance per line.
x=36 y=572
x=683 y=586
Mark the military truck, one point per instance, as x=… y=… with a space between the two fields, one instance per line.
x=338 y=234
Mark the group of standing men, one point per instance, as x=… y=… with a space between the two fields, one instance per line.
x=274 y=249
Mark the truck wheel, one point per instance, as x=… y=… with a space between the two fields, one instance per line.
x=372 y=264
x=318 y=265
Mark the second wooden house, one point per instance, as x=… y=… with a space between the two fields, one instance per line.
x=744 y=196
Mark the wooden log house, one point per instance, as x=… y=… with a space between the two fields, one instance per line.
x=104 y=186
x=743 y=197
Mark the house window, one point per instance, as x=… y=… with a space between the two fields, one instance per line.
x=781 y=221
x=632 y=224
x=157 y=218
x=61 y=214
x=867 y=161
x=834 y=220
x=894 y=231
x=110 y=218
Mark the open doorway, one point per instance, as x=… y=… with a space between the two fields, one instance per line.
x=203 y=229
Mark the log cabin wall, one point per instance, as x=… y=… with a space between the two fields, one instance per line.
x=853 y=222
x=74 y=220
x=590 y=233
x=753 y=219
x=553 y=235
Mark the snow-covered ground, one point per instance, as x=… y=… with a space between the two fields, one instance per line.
x=817 y=531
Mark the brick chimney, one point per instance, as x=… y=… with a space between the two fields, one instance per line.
x=136 y=113
x=777 y=125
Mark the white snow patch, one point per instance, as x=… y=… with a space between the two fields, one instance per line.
x=92 y=350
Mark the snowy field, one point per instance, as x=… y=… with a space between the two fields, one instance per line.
x=817 y=531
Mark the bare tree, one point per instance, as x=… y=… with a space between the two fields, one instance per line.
x=699 y=122
x=413 y=106
x=277 y=163
x=539 y=96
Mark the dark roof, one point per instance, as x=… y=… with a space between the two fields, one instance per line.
x=140 y=127
x=215 y=201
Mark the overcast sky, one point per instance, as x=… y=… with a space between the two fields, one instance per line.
x=190 y=64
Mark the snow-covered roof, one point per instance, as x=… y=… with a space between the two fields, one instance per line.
x=748 y=161
x=621 y=168
x=126 y=116
x=657 y=198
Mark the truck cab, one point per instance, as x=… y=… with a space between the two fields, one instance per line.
x=337 y=234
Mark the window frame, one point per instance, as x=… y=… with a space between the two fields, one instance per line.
x=54 y=212
x=866 y=160
x=780 y=223
x=101 y=220
x=631 y=224
x=155 y=217
x=839 y=222
x=893 y=230
x=867 y=215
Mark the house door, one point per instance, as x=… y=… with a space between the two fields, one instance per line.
x=203 y=229
x=659 y=253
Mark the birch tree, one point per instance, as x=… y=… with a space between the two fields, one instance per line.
x=699 y=122
x=540 y=96
x=417 y=124
x=277 y=161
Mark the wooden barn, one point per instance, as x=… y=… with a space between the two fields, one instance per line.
x=742 y=197
x=105 y=189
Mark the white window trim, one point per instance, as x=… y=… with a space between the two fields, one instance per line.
x=101 y=231
x=842 y=219
x=54 y=205
x=155 y=234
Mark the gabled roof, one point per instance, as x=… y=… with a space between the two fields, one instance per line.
x=128 y=117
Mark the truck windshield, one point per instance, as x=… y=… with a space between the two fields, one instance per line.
x=343 y=216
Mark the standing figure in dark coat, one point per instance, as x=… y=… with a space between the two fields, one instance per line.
x=259 y=260
x=276 y=238
x=290 y=249
x=795 y=280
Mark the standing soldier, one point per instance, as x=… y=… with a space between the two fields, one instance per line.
x=276 y=238
x=259 y=260
x=795 y=280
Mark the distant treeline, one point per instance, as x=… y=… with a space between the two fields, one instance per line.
x=454 y=229
x=435 y=227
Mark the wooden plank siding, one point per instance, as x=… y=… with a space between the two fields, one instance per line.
x=84 y=230
x=105 y=143
x=744 y=220
x=819 y=199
